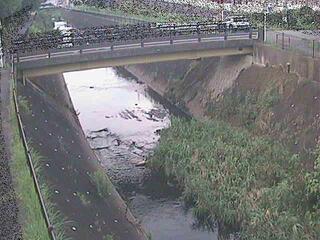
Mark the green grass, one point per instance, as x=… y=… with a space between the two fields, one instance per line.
x=24 y=105
x=115 y=12
x=137 y=11
x=108 y=237
x=252 y=183
x=44 y=21
x=243 y=105
x=102 y=183
x=56 y=218
x=32 y=220
x=83 y=198
x=33 y=224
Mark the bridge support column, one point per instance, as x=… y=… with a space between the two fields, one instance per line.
x=24 y=79
x=313 y=48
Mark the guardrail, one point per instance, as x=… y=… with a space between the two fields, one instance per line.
x=303 y=46
x=44 y=211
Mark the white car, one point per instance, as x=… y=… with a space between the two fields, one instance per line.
x=65 y=30
x=237 y=22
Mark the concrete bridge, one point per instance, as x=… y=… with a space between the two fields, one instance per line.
x=134 y=52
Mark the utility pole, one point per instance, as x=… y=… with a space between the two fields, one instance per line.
x=265 y=11
x=1 y=49
x=265 y=21
x=285 y=13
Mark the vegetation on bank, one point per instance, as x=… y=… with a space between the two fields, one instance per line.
x=10 y=7
x=109 y=11
x=304 y=18
x=251 y=182
x=44 y=21
x=244 y=107
x=102 y=183
x=33 y=223
x=136 y=10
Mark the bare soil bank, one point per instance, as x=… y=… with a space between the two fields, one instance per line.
x=55 y=132
x=191 y=84
x=196 y=85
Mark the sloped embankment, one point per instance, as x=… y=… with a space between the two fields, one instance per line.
x=192 y=83
x=266 y=100
x=229 y=167
x=91 y=206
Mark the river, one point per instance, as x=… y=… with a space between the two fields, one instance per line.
x=121 y=119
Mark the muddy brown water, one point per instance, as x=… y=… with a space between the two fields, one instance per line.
x=120 y=117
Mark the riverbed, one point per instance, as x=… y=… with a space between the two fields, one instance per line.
x=122 y=118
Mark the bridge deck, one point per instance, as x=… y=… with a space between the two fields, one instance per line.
x=134 y=52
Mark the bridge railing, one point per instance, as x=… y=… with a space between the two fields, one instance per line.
x=69 y=46
x=304 y=46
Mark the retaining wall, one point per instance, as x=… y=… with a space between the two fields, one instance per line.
x=307 y=68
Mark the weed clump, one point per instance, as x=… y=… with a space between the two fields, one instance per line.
x=251 y=182
x=102 y=183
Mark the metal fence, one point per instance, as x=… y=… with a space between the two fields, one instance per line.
x=302 y=45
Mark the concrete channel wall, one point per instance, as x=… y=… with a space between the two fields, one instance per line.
x=307 y=68
x=54 y=131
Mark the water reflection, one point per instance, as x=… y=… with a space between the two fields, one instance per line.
x=121 y=121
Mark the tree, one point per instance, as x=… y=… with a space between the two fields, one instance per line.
x=306 y=15
x=292 y=18
x=317 y=18
x=8 y=7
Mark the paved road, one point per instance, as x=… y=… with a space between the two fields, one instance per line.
x=147 y=44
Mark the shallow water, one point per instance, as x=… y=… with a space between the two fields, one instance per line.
x=121 y=120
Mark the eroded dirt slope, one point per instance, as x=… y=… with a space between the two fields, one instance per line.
x=266 y=100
